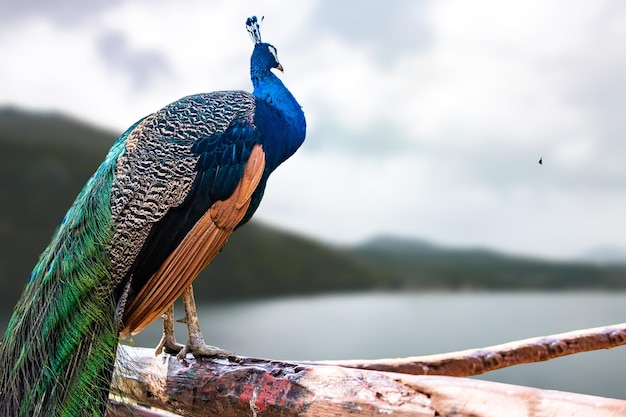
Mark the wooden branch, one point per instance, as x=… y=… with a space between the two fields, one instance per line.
x=478 y=361
x=255 y=387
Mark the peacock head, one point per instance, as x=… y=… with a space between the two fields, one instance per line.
x=264 y=57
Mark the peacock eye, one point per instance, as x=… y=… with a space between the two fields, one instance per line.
x=273 y=52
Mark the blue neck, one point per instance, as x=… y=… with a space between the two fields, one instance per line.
x=279 y=117
x=269 y=88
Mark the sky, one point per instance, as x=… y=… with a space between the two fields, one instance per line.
x=426 y=119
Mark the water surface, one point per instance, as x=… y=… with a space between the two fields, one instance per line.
x=397 y=325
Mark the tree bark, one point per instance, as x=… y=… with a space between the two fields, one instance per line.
x=479 y=361
x=236 y=386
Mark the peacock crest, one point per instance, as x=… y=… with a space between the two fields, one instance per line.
x=253 y=25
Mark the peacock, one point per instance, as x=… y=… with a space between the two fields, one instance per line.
x=160 y=207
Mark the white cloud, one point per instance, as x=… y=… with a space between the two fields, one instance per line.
x=346 y=199
x=432 y=127
x=205 y=44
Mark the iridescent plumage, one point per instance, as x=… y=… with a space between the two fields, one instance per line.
x=165 y=200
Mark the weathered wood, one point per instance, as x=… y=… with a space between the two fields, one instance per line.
x=478 y=361
x=237 y=386
x=119 y=408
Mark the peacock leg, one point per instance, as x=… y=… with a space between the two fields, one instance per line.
x=168 y=341
x=195 y=344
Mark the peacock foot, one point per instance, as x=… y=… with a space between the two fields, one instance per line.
x=200 y=349
x=168 y=340
x=168 y=345
x=196 y=344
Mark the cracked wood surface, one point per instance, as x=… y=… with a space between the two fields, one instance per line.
x=237 y=386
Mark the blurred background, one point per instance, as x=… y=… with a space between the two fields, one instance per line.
x=415 y=219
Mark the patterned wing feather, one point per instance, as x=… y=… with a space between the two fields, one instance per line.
x=178 y=163
x=196 y=251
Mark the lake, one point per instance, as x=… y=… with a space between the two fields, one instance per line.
x=382 y=325
x=368 y=326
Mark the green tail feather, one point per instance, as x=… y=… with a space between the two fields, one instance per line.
x=58 y=352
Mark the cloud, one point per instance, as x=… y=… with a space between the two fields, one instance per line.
x=379 y=138
x=425 y=119
x=142 y=66
x=62 y=12
x=387 y=31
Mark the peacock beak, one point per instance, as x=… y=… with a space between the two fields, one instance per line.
x=279 y=68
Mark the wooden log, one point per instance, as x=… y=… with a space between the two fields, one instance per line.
x=478 y=361
x=238 y=386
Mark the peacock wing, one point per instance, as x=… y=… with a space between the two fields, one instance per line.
x=197 y=249
x=190 y=165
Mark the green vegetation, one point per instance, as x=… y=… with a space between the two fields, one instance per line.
x=46 y=158
x=425 y=266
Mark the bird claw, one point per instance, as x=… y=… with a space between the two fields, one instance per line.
x=168 y=345
x=201 y=350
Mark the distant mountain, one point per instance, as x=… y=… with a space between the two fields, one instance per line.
x=51 y=128
x=45 y=158
x=605 y=255
x=419 y=247
x=386 y=243
x=420 y=264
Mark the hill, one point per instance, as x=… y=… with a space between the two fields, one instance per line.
x=45 y=159
x=420 y=264
x=605 y=255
